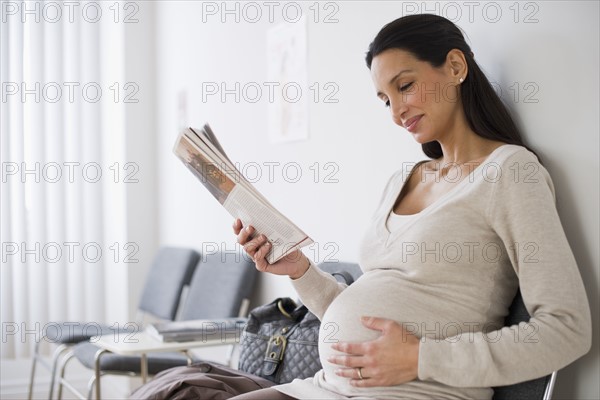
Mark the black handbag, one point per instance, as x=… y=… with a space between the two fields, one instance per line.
x=280 y=342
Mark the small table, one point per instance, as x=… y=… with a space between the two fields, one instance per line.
x=142 y=343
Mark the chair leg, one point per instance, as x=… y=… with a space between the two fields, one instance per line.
x=32 y=376
x=55 y=358
x=188 y=356
x=61 y=378
x=37 y=358
x=550 y=386
x=230 y=355
x=91 y=386
x=97 y=371
x=63 y=382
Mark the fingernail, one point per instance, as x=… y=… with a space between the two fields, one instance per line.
x=338 y=372
x=247 y=229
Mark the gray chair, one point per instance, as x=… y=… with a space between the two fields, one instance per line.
x=339 y=269
x=536 y=389
x=219 y=286
x=170 y=271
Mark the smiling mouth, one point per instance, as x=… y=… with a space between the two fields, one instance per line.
x=411 y=124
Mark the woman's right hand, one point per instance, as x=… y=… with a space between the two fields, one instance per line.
x=294 y=264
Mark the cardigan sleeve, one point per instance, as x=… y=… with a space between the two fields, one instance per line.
x=522 y=212
x=317 y=289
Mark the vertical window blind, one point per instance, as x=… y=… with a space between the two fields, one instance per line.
x=61 y=132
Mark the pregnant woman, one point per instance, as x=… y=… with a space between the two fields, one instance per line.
x=448 y=247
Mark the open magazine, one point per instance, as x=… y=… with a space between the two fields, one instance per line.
x=201 y=152
x=197 y=330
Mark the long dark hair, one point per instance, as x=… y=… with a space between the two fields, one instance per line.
x=429 y=38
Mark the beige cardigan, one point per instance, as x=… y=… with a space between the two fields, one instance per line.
x=449 y=274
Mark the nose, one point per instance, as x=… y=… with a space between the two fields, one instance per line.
x=398 y=109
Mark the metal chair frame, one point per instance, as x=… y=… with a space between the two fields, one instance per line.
x=98 y=373
x=62 y=350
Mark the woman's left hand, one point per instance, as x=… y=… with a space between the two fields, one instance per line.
x=389 y=360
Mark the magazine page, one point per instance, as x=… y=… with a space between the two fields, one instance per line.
x=197 y=330
x=213 y=139
x=204 y=158
x=227 y=167
x=212 y=177
x=217 y=174
x=284 y=236
x=214 y=153
x=173 y=327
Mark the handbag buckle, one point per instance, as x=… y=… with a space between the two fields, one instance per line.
x=276 y=347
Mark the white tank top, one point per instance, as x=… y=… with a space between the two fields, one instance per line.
x=396 y=221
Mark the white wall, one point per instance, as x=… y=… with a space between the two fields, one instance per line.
x=557 y=56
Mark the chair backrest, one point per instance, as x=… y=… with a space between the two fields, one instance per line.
x=170 y=271
x=220 y=283
x=334 y=267
x=540 y=388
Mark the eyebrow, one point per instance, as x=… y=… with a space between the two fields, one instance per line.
x=394 y=78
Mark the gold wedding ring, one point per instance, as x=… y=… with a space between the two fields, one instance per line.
x=359 y=373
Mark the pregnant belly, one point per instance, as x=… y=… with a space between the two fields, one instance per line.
x=377 y=293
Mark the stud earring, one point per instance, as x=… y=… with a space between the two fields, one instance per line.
x=461 y=80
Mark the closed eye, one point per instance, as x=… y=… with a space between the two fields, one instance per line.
x=402 y=89
x=406 y=87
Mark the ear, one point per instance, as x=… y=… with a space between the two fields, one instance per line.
x=456 y=65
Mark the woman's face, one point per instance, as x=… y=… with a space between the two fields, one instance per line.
x=423 y=99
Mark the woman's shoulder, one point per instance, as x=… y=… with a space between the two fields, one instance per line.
x=514 y=159
x=517 y=169
x=511 y=153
